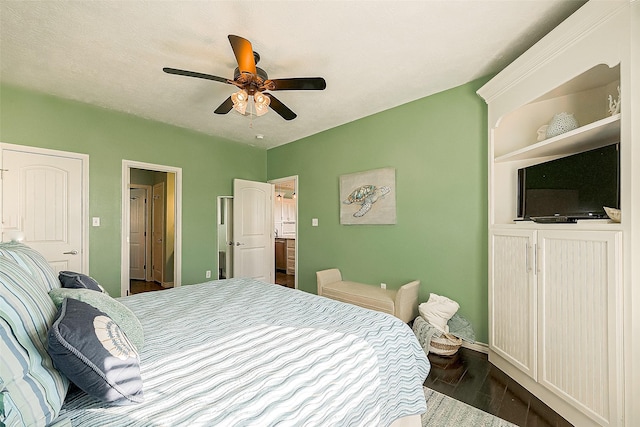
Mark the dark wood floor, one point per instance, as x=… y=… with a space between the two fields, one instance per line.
x=288 y=280
x=469 y=377
x=139 y=286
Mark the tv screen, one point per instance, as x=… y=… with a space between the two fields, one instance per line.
x=576 y=186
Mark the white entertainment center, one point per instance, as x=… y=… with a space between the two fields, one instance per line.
x=561 y=296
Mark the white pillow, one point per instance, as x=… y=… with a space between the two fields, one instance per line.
x=438 y=310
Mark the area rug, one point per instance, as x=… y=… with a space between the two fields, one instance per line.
x=443 y=411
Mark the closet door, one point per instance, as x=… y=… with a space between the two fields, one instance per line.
x=43 y=200
x=512 y=303
x=580 y=328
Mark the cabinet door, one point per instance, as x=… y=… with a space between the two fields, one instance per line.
x=277 y=209
x=512 y=304
x=579 y=290
x=291 y=256
x=277 y=216
x=288 y=210
x=281 y=254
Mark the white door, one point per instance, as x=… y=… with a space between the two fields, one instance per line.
x=157 y=233
x=43 y=200
x=579 y=327
x=137 y=233
x=253 y=254
x=512 y=298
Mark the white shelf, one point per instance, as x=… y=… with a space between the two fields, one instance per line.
x=586 y=224
x=594 y=135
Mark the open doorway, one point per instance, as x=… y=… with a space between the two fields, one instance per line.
x=285 y=212
x=151 y=227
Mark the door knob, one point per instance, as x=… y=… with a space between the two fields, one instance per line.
x=73 y=252
x=238 y=243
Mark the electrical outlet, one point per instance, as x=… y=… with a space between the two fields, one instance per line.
x=383 y=285
x=207 y=274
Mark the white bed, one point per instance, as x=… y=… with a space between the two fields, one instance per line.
x=239 y=352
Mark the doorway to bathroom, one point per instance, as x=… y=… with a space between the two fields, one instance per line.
x=285 y=215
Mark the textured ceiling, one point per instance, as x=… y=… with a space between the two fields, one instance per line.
x=374 y=55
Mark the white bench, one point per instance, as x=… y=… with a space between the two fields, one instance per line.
x=402 y=303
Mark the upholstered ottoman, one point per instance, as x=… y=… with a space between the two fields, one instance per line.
x=402 y=303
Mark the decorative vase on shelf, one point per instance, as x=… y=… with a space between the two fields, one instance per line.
x=561 y=123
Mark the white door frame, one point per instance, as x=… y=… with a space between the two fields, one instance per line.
x=84 y=158
x=158 y=246
x=293 y=178
x=127 y=165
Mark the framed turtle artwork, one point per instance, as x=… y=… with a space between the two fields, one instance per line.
x=368 y=197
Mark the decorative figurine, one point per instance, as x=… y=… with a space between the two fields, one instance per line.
x=542 y=133
x=614 y=106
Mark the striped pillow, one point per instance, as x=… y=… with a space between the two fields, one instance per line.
x=33 y=262
x=33 y=390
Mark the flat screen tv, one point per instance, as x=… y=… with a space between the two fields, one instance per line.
x=576 y=186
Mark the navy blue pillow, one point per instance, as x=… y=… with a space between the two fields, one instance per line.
x=73 y=280
x=90 y=349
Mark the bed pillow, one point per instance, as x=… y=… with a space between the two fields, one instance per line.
x=73 y=280
x=89 y=348
x=33 y=391
x=126 y=320
x=33 y=262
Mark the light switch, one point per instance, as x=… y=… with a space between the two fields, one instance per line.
x=96 y=221
x=314 y=222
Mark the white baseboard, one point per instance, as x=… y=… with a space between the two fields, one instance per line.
x=477 y=346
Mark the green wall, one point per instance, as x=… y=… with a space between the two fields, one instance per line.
x=438 y=146
x=208 y=164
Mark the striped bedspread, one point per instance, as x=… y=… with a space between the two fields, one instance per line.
x=239 y=352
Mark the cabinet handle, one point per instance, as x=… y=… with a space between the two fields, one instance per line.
x=238 y=243
x=73 y=252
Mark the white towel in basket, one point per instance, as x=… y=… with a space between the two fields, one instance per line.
x=438 y=310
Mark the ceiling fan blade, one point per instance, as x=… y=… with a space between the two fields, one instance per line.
x=243 y=51
x=225 y=107
x=194 y=74
x=297 y=83
x=280 y=108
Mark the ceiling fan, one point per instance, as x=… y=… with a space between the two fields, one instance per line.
x=253 y=81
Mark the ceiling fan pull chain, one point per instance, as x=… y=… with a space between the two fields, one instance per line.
x=251 y=115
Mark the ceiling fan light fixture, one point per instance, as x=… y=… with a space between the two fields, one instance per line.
x=252 y=80
x=240 y=101
x=262 y=103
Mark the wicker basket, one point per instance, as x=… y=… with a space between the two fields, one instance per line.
x=445 y=345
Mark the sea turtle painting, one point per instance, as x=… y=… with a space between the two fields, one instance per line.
x=366 y=196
